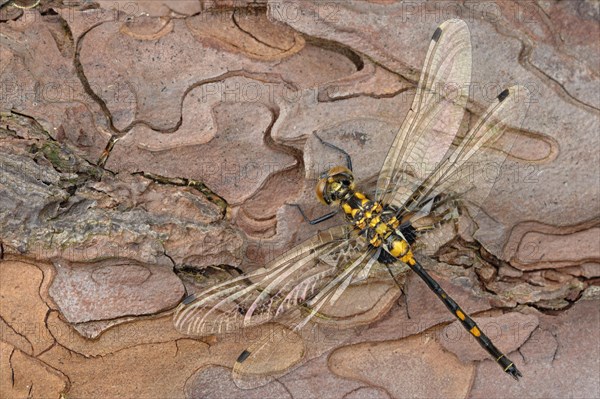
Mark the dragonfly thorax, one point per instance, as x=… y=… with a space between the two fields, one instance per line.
x=378 y=225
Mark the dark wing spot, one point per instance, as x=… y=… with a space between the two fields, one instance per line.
x=502 y=96
x=436 y=35
x=243 y=356
x=189 y=299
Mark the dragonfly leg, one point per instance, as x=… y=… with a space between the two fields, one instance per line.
x=316 y=220
x=348 y=158
x=507 y=365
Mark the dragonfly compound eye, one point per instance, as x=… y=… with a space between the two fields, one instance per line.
x=336 y=184
x=320 y=191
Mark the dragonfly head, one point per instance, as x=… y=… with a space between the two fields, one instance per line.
x=335 y=185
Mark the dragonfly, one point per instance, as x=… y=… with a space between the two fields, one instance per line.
x=429 y=170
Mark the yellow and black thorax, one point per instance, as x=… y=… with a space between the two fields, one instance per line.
x=378 y=223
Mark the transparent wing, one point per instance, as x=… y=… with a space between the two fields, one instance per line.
x=314 y=328
x=435 y=115
x=332 y=280
x=467 y=172
x=258 y=297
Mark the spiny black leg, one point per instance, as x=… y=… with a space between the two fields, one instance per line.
x=348 y=159
x=468 y=323
x=317 y=220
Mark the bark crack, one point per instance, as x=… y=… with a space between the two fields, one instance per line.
x=236 y=23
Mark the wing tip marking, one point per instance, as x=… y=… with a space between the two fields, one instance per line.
x=243 y=356
x=437 y=34
x=189 y=299
x=502 y=96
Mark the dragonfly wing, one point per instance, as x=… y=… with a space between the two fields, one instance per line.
x=308 y=331
x=257 y=297
x=467 y=172
x=435 y=115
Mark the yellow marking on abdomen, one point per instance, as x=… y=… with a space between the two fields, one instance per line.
x=460 y=315
x=475 y=331
x=399 y=248
x=509 y=366
x=408 y=258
